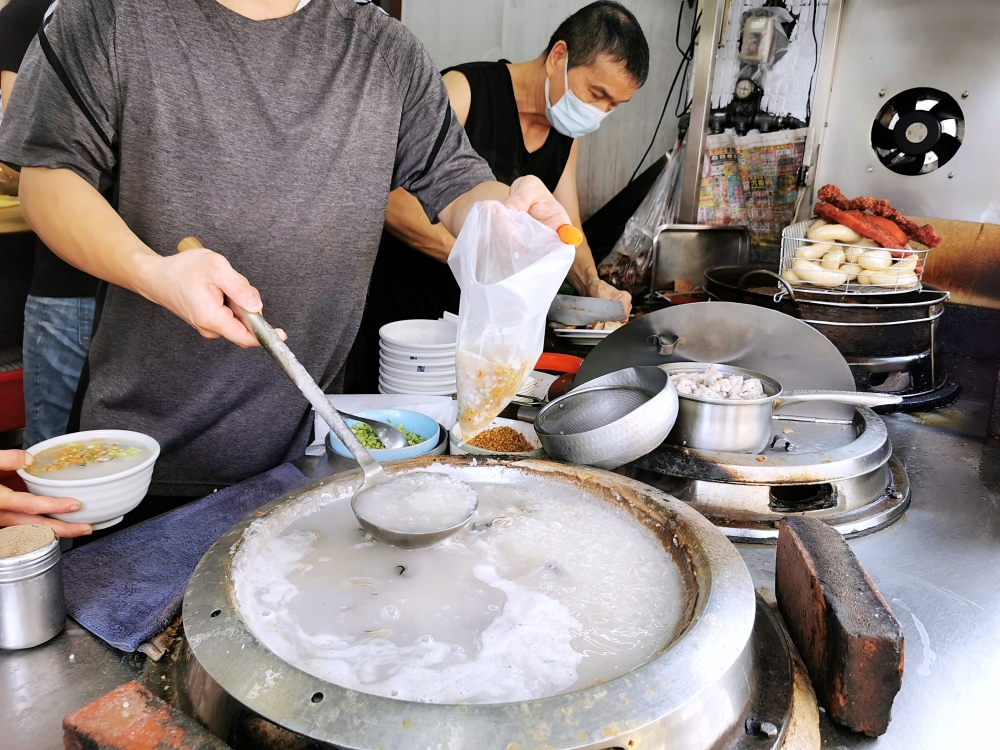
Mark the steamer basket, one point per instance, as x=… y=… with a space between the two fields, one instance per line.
x=794 y=237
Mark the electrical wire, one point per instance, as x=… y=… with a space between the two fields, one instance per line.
x=686 y=57
x=809 y=96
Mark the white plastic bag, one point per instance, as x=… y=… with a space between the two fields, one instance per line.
x=629 y=264
x=509 y=267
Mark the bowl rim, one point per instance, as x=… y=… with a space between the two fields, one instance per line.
x=393 y=380
x=149 y=441
x=389 y=352
x=385 y=333
x=406 y=358
x=439 y=390
x=398 y=365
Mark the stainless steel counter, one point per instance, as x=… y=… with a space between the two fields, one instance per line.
x=938 y=567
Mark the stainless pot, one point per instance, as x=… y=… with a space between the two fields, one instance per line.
x=695 y=692
x=609 y=421
x=745 y=426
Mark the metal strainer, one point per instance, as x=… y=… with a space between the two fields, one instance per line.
x=611 y=420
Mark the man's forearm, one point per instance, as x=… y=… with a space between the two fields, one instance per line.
x=453 y=215
x=583 y=273
x=406 y=221
x=79 y=225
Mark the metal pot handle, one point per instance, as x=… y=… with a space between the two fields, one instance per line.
x=778 y=296
x=855 y=398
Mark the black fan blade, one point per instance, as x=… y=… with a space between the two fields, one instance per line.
x=882 y=137
x=946 y=110
x=908 y=165
x=906 y=102
x=946 y=147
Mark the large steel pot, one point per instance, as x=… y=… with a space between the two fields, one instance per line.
x=696 y=692
x=889 y=325
x=745 y=426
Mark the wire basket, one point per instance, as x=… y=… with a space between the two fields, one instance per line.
x=903 y=275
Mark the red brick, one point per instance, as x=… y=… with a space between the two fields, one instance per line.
x=848 y=637
x=132 y=718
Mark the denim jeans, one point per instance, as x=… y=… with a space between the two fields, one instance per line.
x=56 y=338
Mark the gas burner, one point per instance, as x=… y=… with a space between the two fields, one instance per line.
x=921 y=379
x=842 y=472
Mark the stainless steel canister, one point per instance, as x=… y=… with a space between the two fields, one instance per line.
x=32 y=608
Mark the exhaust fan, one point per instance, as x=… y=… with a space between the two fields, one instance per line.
x=917 y=131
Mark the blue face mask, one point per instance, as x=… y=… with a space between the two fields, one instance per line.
x=571 y=116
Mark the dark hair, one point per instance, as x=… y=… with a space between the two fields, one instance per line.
x=609 y=28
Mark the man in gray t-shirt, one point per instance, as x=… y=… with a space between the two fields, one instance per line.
x=272 y=135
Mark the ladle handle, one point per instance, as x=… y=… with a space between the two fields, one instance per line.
x=279 y=351
x=855 y=398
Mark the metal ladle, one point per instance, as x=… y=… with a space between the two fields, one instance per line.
x=273 y=344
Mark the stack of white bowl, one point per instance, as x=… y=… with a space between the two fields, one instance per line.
x=417 y=357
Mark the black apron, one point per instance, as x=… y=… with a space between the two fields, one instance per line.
x=406 y=283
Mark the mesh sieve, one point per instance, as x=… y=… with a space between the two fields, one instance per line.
x=591 y=409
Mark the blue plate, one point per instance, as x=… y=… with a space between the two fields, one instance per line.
x=413 y=421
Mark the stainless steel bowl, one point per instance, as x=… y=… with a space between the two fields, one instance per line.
x=611 y=420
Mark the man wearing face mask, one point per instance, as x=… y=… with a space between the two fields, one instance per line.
x=523 y=119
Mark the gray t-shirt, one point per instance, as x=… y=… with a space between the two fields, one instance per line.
x=276 y=144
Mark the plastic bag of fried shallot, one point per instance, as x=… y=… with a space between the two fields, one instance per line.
x=509 y=267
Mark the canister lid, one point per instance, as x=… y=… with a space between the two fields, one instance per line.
x=26 y=551
x=20 y=540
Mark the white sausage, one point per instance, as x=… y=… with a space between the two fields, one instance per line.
x=813 y=252
x=833 y=233
x=791 y=278
x=875 y=259
x=833 y=259
x=852 y=270
x=813 y=273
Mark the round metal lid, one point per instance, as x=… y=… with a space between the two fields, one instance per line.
x=695 y=691
x=766 y=341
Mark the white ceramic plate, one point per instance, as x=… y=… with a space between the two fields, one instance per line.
x=415 y=368
x=438 y=356
x=429 y=385
x=384 y=387
x=426 y=335
x=457 y=448
x=582 y=336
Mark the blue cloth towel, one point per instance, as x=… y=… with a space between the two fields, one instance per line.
x=127 y=587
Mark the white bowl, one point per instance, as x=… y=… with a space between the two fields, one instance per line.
x=413 y=391
x=410 y=376
x=458 y=448
x=398 y=359
x=436 y=384
x=408 y=355
x=104 y=499
x=407 y=368
x=427 y=335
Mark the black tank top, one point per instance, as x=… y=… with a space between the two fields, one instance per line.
x=494 y=128
x=406 y=283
